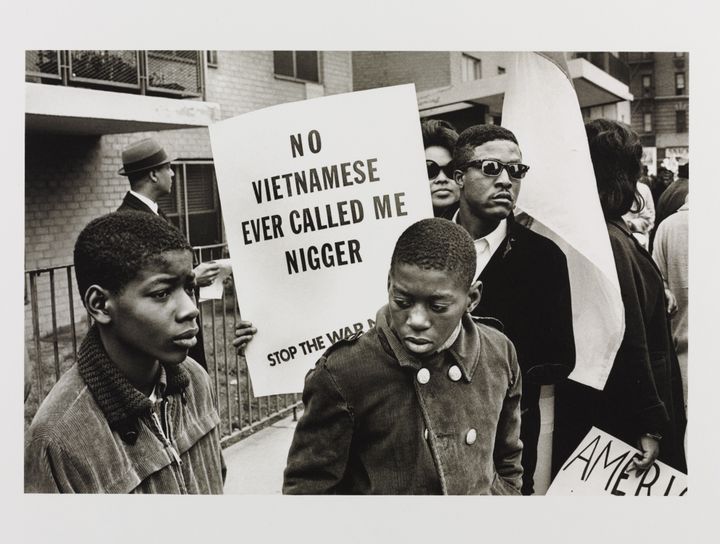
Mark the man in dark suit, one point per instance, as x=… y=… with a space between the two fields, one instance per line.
x=148 y=168
x=524 y=276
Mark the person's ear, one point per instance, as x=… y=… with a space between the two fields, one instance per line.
x=152 y=174
x=389 y=276
x=459 y=177
x=97 y=303
x=474 y=296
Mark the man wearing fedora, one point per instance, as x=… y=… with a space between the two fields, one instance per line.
x=148 y=168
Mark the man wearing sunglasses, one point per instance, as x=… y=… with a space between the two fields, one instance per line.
x=524 y=275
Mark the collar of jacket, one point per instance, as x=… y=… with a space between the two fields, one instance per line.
x=512 y=235
x=121 y=403
x=464 y=351
x=619 y=223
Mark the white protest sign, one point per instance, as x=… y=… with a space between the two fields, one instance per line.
x=601 y=465
x=314 y=196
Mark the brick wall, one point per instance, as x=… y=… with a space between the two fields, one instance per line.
x=70 y=180
x=428 y=70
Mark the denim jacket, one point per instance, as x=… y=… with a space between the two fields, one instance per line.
x=371 y=427
x=95 y=433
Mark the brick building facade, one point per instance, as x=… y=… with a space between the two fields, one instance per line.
x=71 y=176
x=660 y=83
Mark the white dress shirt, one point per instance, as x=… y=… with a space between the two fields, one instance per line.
x=487 y=245
x=152 y=205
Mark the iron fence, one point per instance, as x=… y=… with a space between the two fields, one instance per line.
x=162 y=73
x=52 y=349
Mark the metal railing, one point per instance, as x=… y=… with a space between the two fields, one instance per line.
x=162 y=73
x=56 y=323
x=608 y=63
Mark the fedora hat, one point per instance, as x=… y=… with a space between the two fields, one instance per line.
x=143 y=155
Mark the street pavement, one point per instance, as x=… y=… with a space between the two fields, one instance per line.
x=255 y=464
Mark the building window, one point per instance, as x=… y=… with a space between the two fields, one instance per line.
x=647 y=122
x=646 y=82
x=681 y=121
x=679 y=54
x=212 y=58
x=680 y=83
x=501 y=70
x=471 y=68
x=193 y=205
x=302 y=65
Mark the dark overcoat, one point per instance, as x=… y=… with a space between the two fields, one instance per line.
x=643 y=392
x=526 y=286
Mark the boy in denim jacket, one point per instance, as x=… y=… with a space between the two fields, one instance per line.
x=426 y=402
x=134 y=414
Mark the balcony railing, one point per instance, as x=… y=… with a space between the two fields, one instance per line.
x=56 y=323
x=159 y=73
x=608 y=63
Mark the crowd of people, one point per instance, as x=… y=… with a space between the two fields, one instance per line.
x=441 y=396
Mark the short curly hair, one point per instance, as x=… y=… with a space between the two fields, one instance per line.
x=477 y=135
x=616 y=154
x=437 y=244
x=111 y=250
x=437 y=132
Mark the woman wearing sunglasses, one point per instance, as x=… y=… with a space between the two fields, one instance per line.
x=642 y=402
x=439 y=139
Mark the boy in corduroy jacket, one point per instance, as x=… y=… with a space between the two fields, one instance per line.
x=135 y=414
x=426 y=402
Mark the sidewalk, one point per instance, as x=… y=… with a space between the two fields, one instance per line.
x=255 y=464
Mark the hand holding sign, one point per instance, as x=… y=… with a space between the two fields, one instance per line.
x=649 y=450
x=244 y=332
x=604 y=465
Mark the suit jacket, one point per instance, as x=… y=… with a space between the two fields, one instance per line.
x=131 y=202
x=526 y=287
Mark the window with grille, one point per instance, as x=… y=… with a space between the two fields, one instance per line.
x=471 y=68
x=680 y=83
x=647 y=122
x=301 y=65
x=193 y=205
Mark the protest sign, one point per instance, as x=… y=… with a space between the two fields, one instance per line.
x=314 y=196
x=602 y=465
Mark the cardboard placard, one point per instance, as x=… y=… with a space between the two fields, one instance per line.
x=314 y=196
x=600 y=465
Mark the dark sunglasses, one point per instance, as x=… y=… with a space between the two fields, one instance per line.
x=434 y=169
x=493 y=168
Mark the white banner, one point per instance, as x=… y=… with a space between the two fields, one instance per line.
x=559 y=192
x=601 y=465
x=314 y=196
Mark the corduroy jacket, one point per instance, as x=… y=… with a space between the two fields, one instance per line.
x=370 y=426
x=96 y=433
